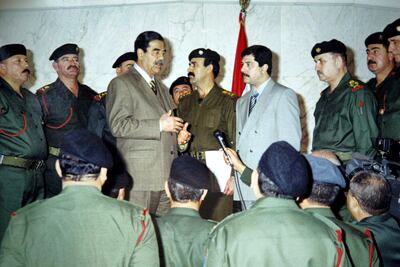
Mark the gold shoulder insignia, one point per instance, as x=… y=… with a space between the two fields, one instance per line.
x=228 y=93
x=43 y=89
x=355 y=85
x=100 y=96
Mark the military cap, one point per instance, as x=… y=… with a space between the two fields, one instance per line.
x=325 y=172
x=7 y=51
x=204 y=53
x=287 y=168
x=190 y=171
x=393 y=29
x=376 y=38
x=86 y=146
x=181 y=80
x=64 y=50
x=121 y=59
x=332 y=46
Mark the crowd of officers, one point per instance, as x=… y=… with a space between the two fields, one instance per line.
x=58 y=147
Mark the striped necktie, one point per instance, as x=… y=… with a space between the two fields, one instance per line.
x=153 y=86
x=253 y=101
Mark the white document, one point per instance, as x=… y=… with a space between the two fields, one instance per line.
x=216 y=163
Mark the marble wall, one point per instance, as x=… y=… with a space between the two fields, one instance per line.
x=290 y=30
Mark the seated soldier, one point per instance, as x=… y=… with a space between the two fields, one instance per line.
x=80 y=226
x=183 y=232
x=327 y=183
x=368 y=201
x=275 y=231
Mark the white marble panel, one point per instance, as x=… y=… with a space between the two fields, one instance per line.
x=104 y=31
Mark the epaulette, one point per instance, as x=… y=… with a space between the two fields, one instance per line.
x=98 y=97
x=355 y=85
x=42 y=90
x=228 y=93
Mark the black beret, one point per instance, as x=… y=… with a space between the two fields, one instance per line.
x=332 y=46
x=287 y=168
x=10 y=50
x=64 y=50
x=190 y=171
x=86 y=146
x=376 y=38
x=121 y=59
x=393 y=29
x=179 y=81
x=325 y=172
x=204 y=53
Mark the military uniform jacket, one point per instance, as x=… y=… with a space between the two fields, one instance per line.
x=183 y=235
x=21 y=130
x=360 y=246
x=386 y=231
x=80 y=227
x=63 y=111
x=388 y=96
x=345 y=119
x=275 y=232
x=275 y=117
x=133 y=115
x=215 y=112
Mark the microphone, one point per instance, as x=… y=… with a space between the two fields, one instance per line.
x=221 y=141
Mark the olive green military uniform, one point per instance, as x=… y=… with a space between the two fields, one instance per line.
x=345 y=120
x=388 y=97
x=386 y=232
x=183 y=236
x=360 y=246
x=275 y=232
x=80 y=227
x=22 y=151
x=63 y=111
x=215 y=112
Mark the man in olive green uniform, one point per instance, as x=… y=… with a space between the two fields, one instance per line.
x=22 y=140
x=207 y=109
x=368 y=201
x=182 y=231
x=65 y=104
x=384 y=85
x=345 y=114
x=80 y=226
x=327 y=182
x=275 y=231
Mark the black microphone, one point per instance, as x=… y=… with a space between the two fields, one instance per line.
x=221 y=141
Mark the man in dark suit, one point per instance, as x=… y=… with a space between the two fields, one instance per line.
x=139 y=114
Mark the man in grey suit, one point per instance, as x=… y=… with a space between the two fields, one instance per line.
x=267 y=113
x=139 y=115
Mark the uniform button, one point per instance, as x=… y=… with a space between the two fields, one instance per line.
x=172 y=152
x=170 y=134
x=240 y=133
x=251 y=151
x=255 y=132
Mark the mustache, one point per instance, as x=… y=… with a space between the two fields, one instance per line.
x=72 y=66
x=245 y=75
x=190 y=74
x=159 y=62
x=319 y=72
x=26 y=71
x=371 y=62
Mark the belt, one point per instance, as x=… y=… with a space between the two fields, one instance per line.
x=21 y=163
x=54 y=151
x=200 y=155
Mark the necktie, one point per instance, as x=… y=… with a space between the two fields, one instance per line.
x=153 y=86
x=253 y=101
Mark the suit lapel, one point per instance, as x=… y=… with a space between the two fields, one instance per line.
x=263 y=101
x=147 y=92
